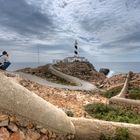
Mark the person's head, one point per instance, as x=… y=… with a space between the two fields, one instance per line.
x=4 y=53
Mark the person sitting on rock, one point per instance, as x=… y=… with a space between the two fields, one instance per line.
x=4 y=63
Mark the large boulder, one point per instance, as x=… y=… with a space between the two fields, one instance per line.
x=105 y=71
x=19 y=101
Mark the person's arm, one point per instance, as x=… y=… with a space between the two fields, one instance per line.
x=6 y=58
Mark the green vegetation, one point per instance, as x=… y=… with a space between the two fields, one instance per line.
x=121 y=134
x=69 y=113
x=112 y=92
x=110 y=113
x=134 y=93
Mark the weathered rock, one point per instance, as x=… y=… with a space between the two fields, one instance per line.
x=39 y=126
x=4 y=123
x=13 y=119
x=105 y=71
x=53 y=135
x=31 y=135
x=82 y=70
x=4 y=134
x=30 y=125
x=17 y=136
x=13 y=127
x=43 y=131
x=44 y=138
x=3 y=117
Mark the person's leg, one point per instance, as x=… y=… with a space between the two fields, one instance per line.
x=6 y=65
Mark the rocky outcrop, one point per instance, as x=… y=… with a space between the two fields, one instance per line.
x=82 y=70
x=82 y=85
x=105 y=71
x=17 y=100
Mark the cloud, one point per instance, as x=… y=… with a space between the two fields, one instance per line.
x=106 y=30
x=22 y=18
x=127 y=44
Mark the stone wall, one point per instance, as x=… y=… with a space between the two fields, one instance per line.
x=19 y=101
x=133 y=105
x=125 y=86
x=64 y=76
x=121 y=101
x=90 y=129
x=81 y=84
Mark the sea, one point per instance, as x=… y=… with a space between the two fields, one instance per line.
x=115 y=67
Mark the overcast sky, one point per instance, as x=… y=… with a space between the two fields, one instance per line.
x=106 y=30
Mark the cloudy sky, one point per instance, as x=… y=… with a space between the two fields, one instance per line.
x=107 y=30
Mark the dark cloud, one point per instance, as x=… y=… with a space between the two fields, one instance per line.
x=64 y=48
x=22 y=18
x=134 y=37
x=86 y=39
x=127 y=44
x=103 y=28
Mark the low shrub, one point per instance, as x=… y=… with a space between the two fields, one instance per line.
x=112 y=92
x=69 y=113
x=120 y=134
x=110 y=113
x=134 y=93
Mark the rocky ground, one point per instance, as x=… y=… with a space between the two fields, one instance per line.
x=65 y=99
x=43 y=72
x=72 y=100
x=82 y=70
x=12 y=128
x=69 y=101
x=113 y=81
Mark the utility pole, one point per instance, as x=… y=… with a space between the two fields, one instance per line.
x=38 y=52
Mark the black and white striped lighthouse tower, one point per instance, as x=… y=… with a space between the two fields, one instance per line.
x=76 y=49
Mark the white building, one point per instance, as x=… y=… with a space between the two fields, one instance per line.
x=72 y=59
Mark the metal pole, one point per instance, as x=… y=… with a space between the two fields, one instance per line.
x=38 y=56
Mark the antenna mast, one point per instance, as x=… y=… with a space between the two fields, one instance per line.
x=38 y=52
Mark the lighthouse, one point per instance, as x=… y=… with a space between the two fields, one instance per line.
x=74 y=58
x=76 y=49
